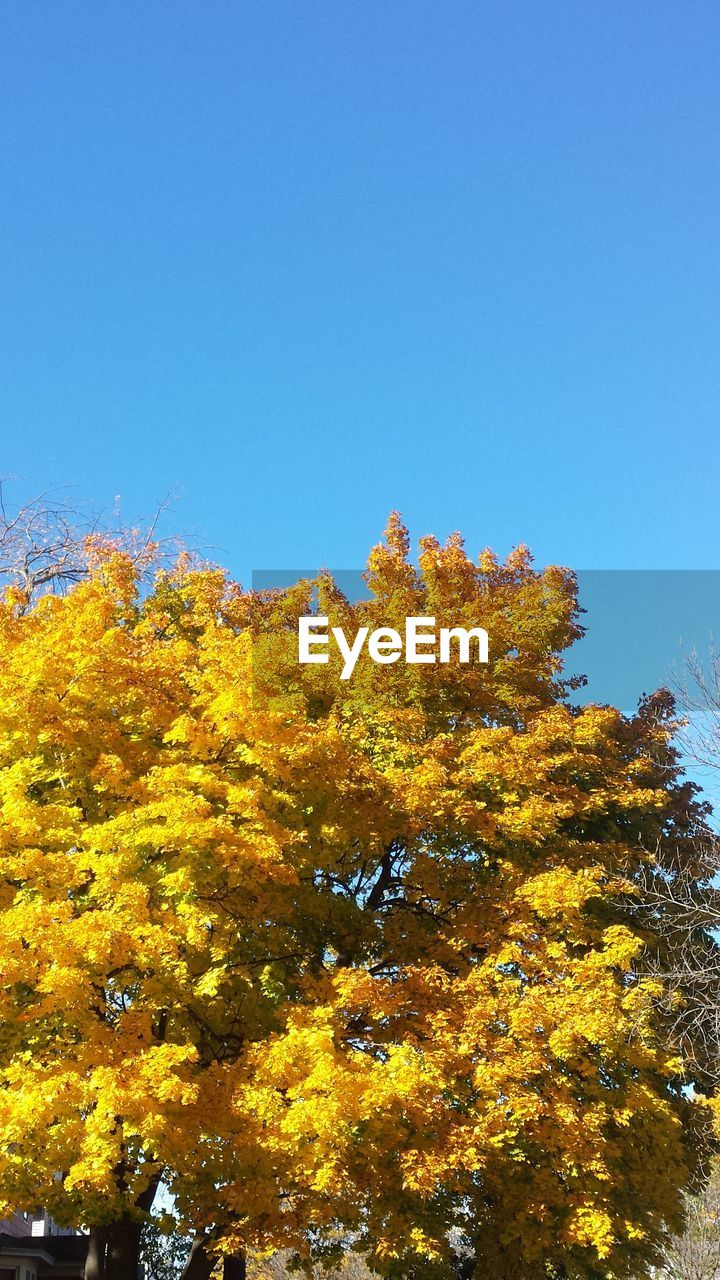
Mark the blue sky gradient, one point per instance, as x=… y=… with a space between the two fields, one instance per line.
x=303 y=263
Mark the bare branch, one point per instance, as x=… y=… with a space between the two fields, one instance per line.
x=46 y=543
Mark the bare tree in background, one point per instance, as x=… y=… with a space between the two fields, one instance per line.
x=45 y=543
x=695 y=1255
x=682 y=899
x=682 y=896
x=698 y=697
x=280 y=1267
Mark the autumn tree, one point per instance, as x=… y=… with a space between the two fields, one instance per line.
x=333 y=956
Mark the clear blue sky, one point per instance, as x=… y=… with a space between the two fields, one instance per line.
x=306 y=262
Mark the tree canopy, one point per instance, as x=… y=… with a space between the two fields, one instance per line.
x=333 y=956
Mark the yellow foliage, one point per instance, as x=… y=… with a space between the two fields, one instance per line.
x=331 y=952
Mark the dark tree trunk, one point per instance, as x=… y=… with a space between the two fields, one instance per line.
x=146 y=1199
x=95 y=1261
x=123 y=1251
x=234 y=1268
x=114 y=1250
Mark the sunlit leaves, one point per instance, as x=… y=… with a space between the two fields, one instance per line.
x=342 y=954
